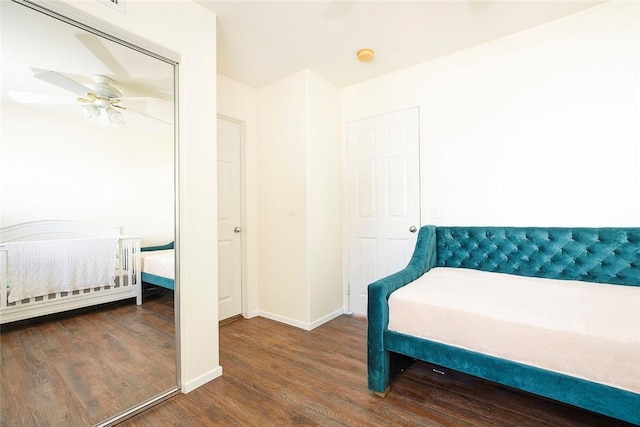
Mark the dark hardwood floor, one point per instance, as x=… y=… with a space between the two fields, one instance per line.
x=81 y=367
x=277 y=375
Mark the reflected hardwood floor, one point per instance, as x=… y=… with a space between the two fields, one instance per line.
x=277 y=375
x=81 y=367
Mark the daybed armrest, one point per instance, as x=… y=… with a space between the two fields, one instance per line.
x=422 y=260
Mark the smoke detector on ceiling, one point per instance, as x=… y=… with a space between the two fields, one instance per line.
x=365 y=55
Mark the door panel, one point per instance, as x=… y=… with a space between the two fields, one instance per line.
x=229 y=219
x=383 y=199
x=367 y=189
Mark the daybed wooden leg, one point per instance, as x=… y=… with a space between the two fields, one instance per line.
x=383 y=394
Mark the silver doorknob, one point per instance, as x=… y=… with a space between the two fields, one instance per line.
x=237 y=230
x=413 y=229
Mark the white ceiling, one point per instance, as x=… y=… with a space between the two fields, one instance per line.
x=262 y=41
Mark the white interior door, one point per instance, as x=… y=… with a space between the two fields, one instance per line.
x=383 y=199
x=229 y=218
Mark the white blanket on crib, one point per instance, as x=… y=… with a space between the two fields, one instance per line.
x=36 y=268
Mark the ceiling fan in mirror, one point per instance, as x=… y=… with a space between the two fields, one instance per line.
x=99 y=99
x=100 y=96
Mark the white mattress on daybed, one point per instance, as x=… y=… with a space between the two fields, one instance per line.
x=586 y=330
x=160 y=263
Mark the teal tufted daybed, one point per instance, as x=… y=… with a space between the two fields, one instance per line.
x=591 y=268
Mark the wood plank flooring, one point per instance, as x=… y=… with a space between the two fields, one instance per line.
x=81 y=367
x=277 y=375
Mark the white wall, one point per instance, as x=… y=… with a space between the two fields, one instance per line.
x=324 y=189
x=282 y=204
x=240 y=102
x=64 y=168
x=537 y=128
x=299 y=212
x=183 y=29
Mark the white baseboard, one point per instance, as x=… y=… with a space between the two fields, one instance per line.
x=252 y=314
x=283 y=319
x=189 y=386
x=326 y=318
x=298 y=324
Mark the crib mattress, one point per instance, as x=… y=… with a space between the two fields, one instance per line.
x=159 y=263
x=582 y=329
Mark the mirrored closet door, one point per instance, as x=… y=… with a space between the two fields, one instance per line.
x=87 y=162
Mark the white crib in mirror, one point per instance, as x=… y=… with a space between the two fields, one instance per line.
x=49 y=267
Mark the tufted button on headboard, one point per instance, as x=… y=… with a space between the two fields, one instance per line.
x=603 y=255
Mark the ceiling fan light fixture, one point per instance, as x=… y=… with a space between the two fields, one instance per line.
x=88 y=112
x=114 y=115
x=365 y=55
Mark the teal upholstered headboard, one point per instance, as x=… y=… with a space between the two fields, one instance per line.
x=603 y=255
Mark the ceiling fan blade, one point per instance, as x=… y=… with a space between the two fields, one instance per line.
x=143 y=114
x=146 y=87
x=62 y=82
x=139 y=98
x=40 y=98
x=100 y=51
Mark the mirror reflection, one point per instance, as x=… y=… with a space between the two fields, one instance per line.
x=87 y=223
